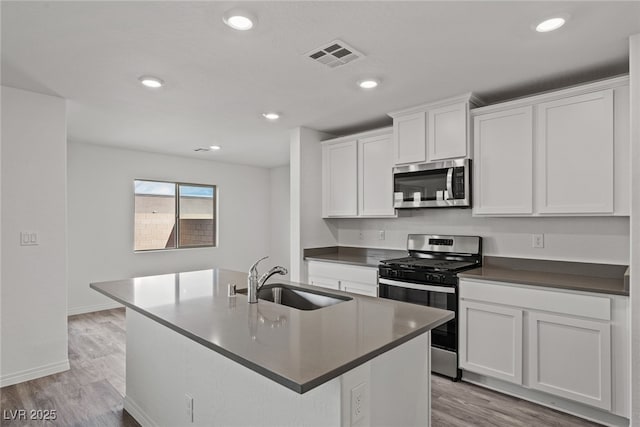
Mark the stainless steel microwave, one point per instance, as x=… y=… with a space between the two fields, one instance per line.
x=433 y=185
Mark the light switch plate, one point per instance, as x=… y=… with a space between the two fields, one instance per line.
x=28 y=238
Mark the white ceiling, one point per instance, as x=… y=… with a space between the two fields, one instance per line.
x=219 y=81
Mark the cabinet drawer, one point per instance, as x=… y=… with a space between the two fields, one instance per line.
x=324 y=282
x=359 y=288
x=542 y=299
x=367 y=275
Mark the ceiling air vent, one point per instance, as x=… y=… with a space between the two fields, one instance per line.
x=335 y=54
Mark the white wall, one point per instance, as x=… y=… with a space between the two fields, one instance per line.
x=279 y=213
x=587 y=239
x=634 y=68
x=100 y=181
x=308 y=229
x=34 y=278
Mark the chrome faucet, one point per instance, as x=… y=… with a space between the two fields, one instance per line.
x=254 y=284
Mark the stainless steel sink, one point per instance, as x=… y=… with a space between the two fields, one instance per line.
x=300 y=298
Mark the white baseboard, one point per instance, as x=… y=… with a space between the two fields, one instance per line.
x=558 y=403
x=33 y=373
x=91 y=308
x=136 y=412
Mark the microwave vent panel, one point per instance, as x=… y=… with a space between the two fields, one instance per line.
x=334 y=54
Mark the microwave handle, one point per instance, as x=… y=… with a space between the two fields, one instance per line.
x=449 y=184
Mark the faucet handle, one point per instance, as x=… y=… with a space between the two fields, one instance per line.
x=254 y=267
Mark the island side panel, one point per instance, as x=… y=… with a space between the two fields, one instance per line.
x=163 y=367
x=401 y=385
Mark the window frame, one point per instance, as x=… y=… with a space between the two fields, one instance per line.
x=177 y=185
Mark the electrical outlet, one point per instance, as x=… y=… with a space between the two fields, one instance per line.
x=361 y=235
x=188 y=401
x=358 y=403
x=537 y=241
x=381 y=235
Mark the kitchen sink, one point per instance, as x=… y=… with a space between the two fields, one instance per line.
x=300 y=298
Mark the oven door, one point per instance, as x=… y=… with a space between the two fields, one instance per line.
x=433 y=295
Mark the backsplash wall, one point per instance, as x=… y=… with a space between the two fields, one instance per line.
x=585 y=239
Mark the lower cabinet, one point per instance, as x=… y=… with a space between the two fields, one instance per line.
x=571 y=357
x=348 y=278
x=564 y=343
x=491 y=342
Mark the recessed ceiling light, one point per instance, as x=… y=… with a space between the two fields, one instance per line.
x=151 y=82
x=368 y=83
x=214 y=147
x=550 y=24
x=271 y=116
x=239 y=19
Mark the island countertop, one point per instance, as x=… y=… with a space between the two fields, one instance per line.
x=298 y=349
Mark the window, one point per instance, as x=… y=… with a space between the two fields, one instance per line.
x=171 y=215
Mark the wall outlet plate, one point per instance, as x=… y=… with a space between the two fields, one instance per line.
x=358 y=403
x=537 y=241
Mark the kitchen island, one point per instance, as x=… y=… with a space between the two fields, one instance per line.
x=197 y=356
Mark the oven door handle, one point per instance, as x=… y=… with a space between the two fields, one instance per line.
x=431 y=288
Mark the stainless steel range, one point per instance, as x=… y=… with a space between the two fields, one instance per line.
x=429 y=276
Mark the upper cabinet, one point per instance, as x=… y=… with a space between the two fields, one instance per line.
x=340 y=178
x=560 y=153
x=409 y=136
x=432 y=132
x=503 y=147
x=574 y=154
x=357 y=175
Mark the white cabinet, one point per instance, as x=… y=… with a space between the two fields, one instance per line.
x=409 y=136
x=348 y=278
x=340 y=178
x=375 y=176
x=492 y=340
x=562 y=343
x=357 y=175
x=503 y=153
x=574 y=154
x=447 y=131
x=560 y=153
x=571 y=357
x=432 y=132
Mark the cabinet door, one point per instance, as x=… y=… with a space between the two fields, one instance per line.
x=447 y=132
x=574 y=154
x=503 y=159
x=571 y=357
x=359 y=288
x=340 y=179
x=375 y=176
x=409 y=138
x=491 y=340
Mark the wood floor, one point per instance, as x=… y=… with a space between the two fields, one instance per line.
x=90 y=393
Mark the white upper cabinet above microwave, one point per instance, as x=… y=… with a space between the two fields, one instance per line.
x=560 y=153
x=432 y=132
x=357 y=176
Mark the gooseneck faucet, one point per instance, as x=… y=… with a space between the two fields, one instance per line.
x=254 y=283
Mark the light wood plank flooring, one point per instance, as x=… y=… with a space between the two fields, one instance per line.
x=90 y=393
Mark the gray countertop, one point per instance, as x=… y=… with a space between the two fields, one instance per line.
x=364 y=257
x=298 y=349
x=588 y=277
